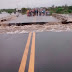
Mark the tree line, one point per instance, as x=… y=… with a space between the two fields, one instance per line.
x=61 y=9
x=58 y=9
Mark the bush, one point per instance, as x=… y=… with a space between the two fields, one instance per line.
x=59 y=10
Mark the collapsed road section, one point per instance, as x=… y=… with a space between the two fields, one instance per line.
x=24 y=20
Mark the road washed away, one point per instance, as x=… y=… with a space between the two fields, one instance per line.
x=54 y=27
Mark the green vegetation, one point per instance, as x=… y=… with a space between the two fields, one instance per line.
x=8 y=10
x=61 y=9
x=23 y=10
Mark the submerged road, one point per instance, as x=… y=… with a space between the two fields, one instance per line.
x=36 y=52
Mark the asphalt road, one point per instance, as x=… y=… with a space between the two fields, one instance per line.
x=36 y=52
x=33 y=19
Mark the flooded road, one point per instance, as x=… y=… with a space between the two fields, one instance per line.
x=36 y=52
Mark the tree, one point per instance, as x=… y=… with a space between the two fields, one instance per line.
x=23 y=10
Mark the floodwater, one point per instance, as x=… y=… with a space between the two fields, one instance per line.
x=53 y=52
x=4 y=15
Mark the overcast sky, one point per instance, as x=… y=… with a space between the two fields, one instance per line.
x=32 y=3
